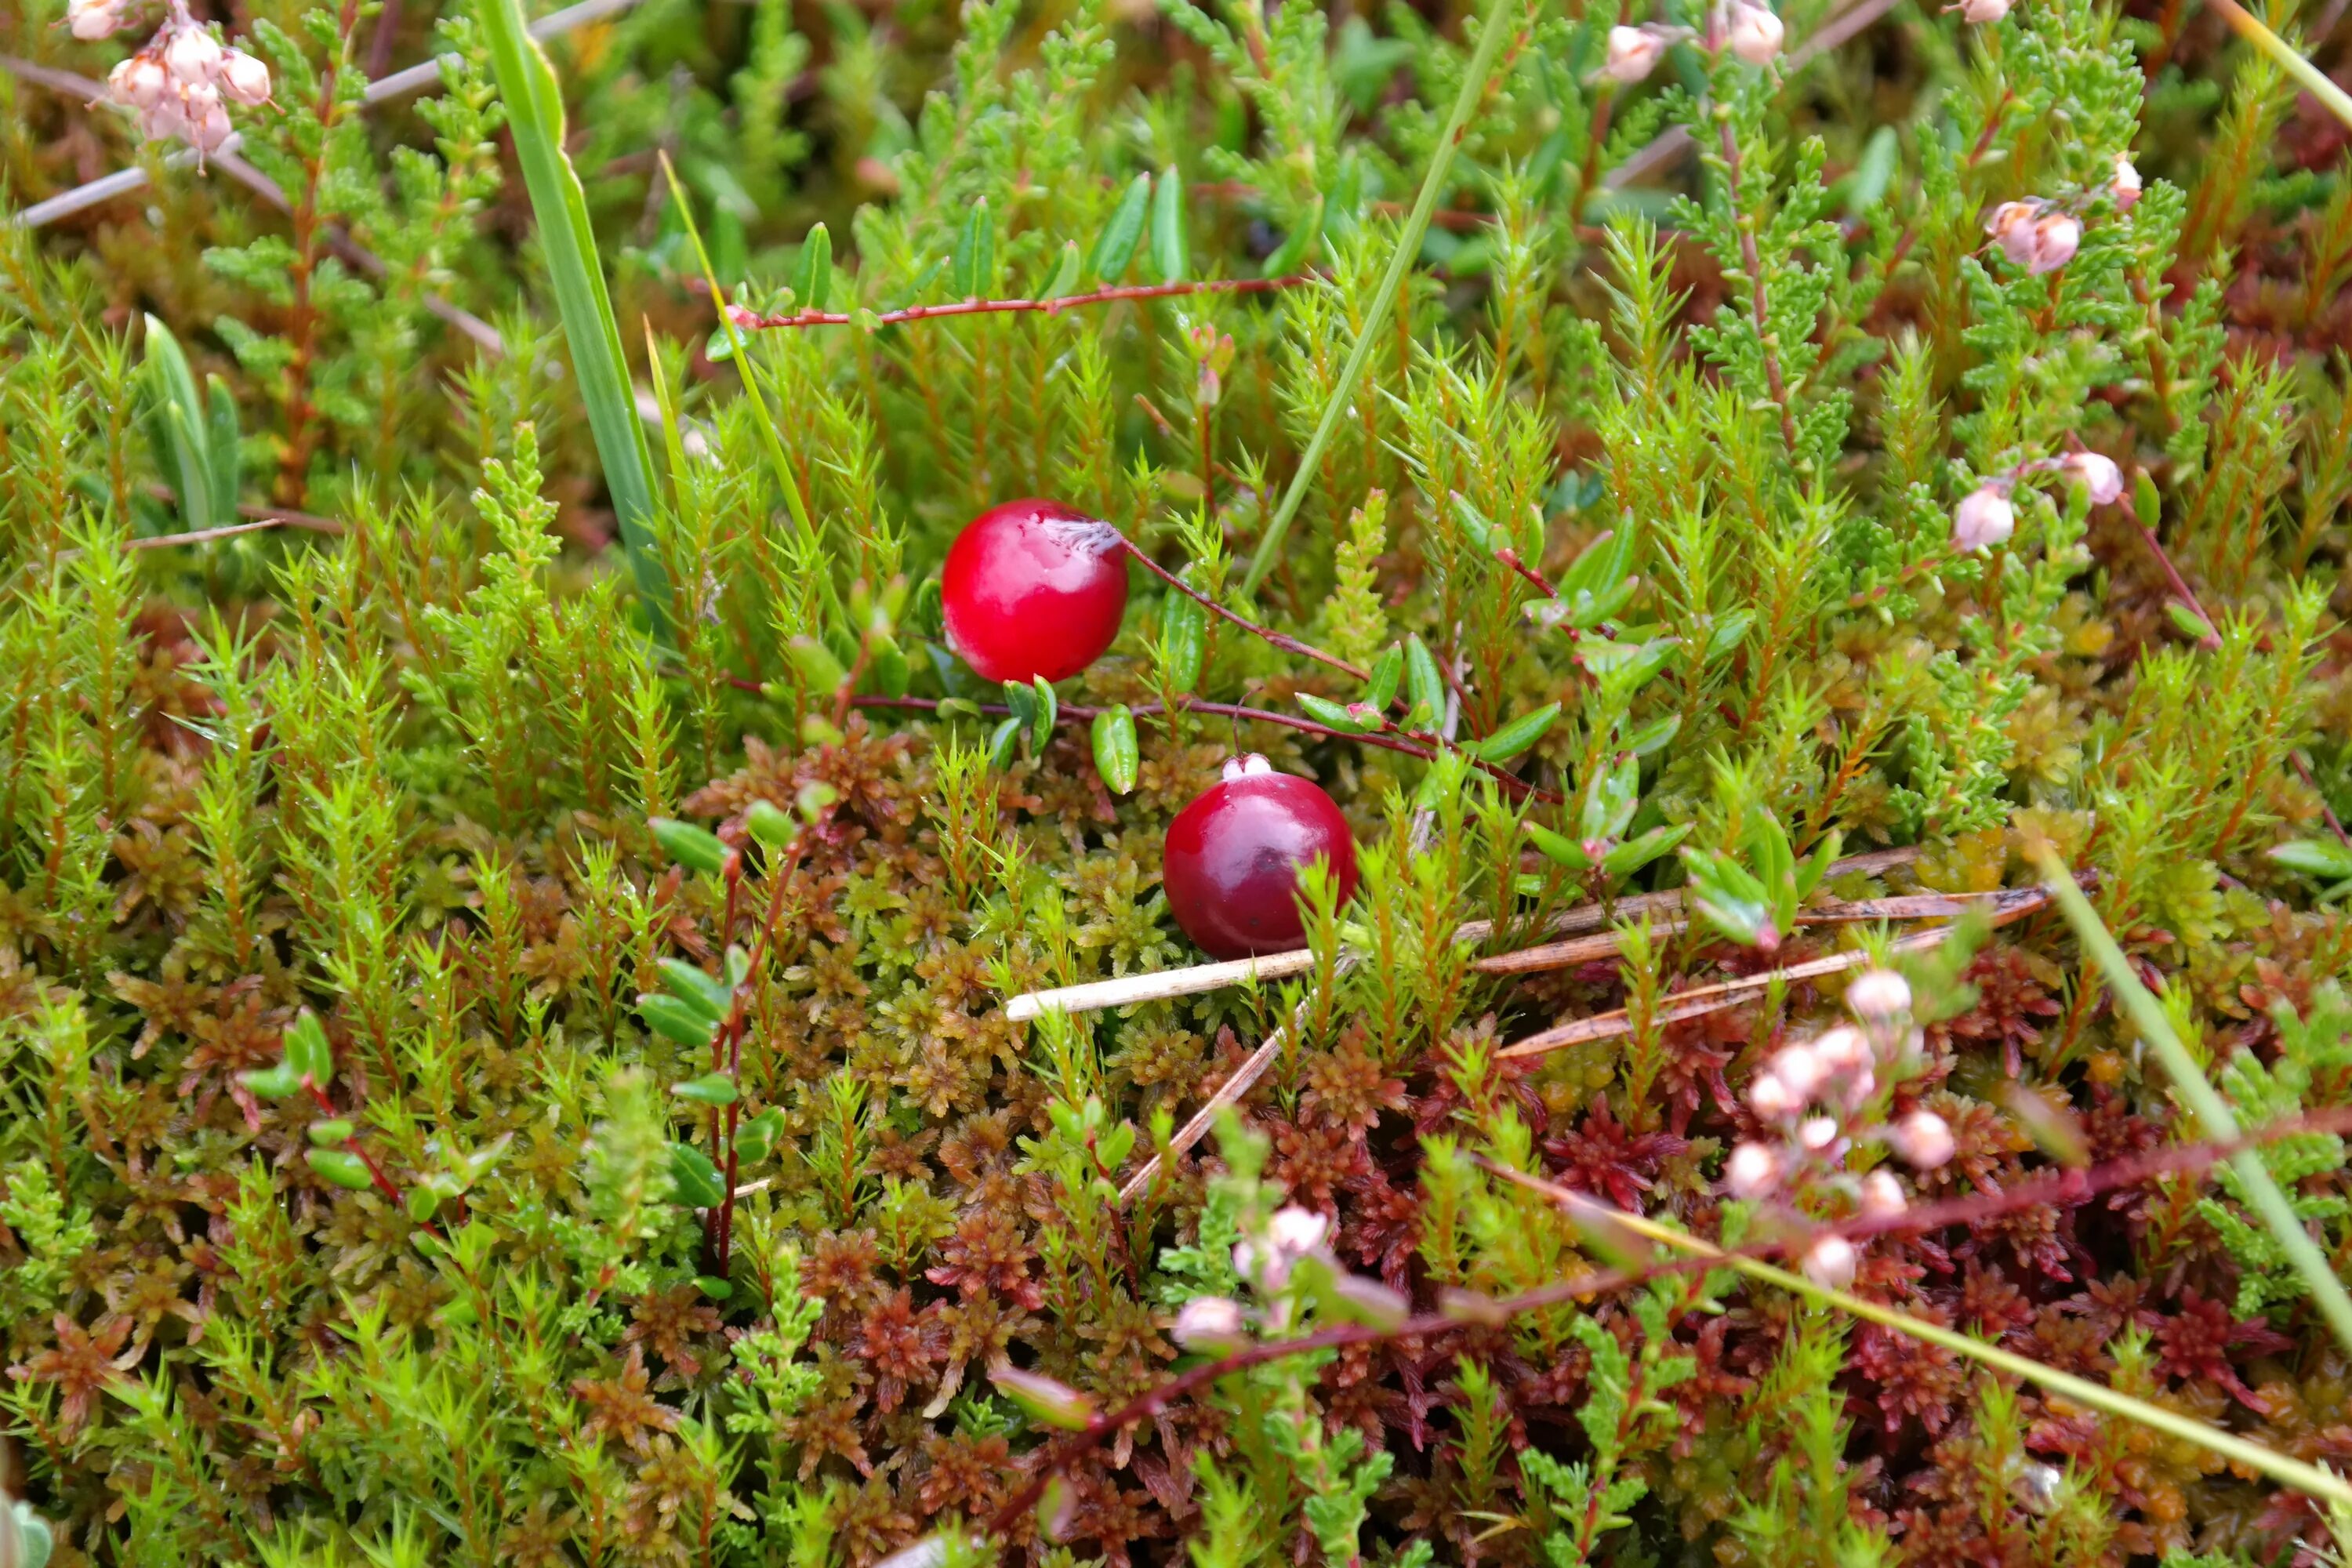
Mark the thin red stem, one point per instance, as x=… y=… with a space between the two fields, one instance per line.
x=1264 y=634
x=750 y=322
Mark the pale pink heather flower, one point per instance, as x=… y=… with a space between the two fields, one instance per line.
x=1983 y=518
x=1843 y=1050
x=1830 y=1261
x=1289 y=1236
x=1801 y=1068
x=1755 y=32
x=1752 y=1172
x=1771 y=1099
x=1882 y=1195
x=2011 y=226
x=137 y=81
x=90 y=20
x=2056 y=238
x=244 y=78
x=1818 y=1133
x=2125 y=189
x=1923 y=1140
x=1981 y=12
x=1878 y=993
x=2099 y=475
x=1210 y=1324
x=1633 y=54
x=192 y=55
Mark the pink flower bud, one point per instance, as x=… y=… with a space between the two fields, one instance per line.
x=244 y=78
x=1983 y=518
x=210 y=132
x=1755 y=32
x=1752 y=1172
x=1210 y=1324
x=1882 y=1195
x=1771 y=1099
x=1878 y=993
x=1923 y=1140
x=2011 y=227
x=1830 y=1261
x=1981 y=12
x=2099 y=475
x=1818 y=1133
x=1801 y=1068
x=137 y=81
x=90 y=20
x=2125 y=189
x=2056 y=238
x=1294 y=1230
x=1843 y=1050
x=191 y=56
x=1633 y=54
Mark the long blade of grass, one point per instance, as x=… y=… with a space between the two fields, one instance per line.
x=2307 y=76
x=534 y=106
x=2307 y=1479
x=1491 y=34
x=2213 y=1112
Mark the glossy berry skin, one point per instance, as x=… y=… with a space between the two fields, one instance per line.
x=1231 y=860
x=1032 y=588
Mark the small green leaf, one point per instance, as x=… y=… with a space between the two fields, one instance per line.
x=814 y=799
x=1168 y=243
x=341 y=1167
x=1044 y=1399
x=1729 y=632
x=1635 y=853
x=815 y=284
x=1651 y=738
x=698 y=1184
x=1183 y=639
x=1004 y=744
x=422 y=1203
x=770 y=826
x=1474 y=523
x=1559 y=849
x=1424 y=685
x=2318 y=856
x=711 y=1088
x=1610 y=803
x=1516 y=736
x=1049 y=708
x=974 y=263
x=1287 y=256
x=1117 y=753
x=1064 y=281
x=689 y=985
x=818 y=668
x=715 y=1287
x=307 y=1054
x=691 y=846
x=330 y=1134
x=35 y=1543
x=756 y=1139
x=280 y=1082
x=2189 y=621
x=1115 y=245
x=1867 y=186
x=1335 y=715
x=1387 y=670
x=672 y=1019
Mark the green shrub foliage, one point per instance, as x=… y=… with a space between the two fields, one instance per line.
x=496 y=1070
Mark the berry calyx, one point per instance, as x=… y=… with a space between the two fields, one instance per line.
x=1032 y=588
x=1233 y=856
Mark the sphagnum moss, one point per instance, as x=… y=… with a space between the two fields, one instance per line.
x=506 y=1056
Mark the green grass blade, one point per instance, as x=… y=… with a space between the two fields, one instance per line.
x=2306 y=75
x=1491 y=34
x=2214 y=1120
x=534 y=106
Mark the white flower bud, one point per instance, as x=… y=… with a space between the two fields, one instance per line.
x=1801 y=1068
x=2056 y=238
x=1878 y=993
x=1882 y=1195
x=1771 y=1099
x=1242 y=767
x=1983 y=518
x=244 y=78
x=1818 y=1133
x=1633 y=54
x=1981 y=12
x=2125 y=189
x=2099 y=475
x=1210 y=1324
x=1294 y=1230
x=1755 y=33
x=1843 y=1050
x=1830 y=1261
x=90 y=20
x=1923 y=1140
x=137 y=81
x=1752 y=1172
x=191 y=56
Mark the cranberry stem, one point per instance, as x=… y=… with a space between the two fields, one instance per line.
x=1264 y=634
x=749 y=321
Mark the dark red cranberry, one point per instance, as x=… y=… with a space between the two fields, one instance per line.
x=1032 y=588
x=1231 y=866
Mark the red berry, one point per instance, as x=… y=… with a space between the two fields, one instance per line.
x=1231 y=866
x=1032 y=588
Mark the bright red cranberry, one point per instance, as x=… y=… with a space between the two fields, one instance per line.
x=1231 y=866
x=1032 y=588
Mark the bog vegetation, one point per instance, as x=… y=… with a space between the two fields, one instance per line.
x=512 y=912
